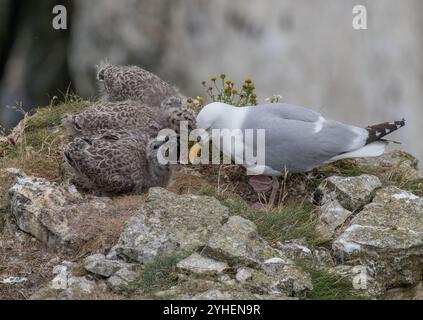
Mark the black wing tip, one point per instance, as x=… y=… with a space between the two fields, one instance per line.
x=400 y=123
x=378 y=131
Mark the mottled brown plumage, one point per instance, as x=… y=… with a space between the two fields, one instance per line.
x=130 y=115
x=117 y=162
x=133 y=83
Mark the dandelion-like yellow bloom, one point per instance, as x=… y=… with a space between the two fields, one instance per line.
x=200 y=98
x=222 y=76
x=248 y=80
x=213 y=78
x=234 y=91
x=228 y=82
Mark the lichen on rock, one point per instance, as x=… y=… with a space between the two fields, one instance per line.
x=386 y=236
x=351 y=192
x=167 y=223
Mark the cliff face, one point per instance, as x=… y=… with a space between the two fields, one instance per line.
x=352 y=229
x=306 y=51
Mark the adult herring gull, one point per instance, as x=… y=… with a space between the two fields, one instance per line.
x=297 y=139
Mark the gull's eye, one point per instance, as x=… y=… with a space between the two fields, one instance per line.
x=167 y=139
x=156 y=146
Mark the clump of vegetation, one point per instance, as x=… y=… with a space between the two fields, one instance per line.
x=414 y=186
x=225 y=90
x=403 y=178
x=345 y=168
x=329 y=286
x=34 y=146
x=158 y=275
x=291 y=221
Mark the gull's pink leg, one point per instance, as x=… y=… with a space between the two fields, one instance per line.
x=262 y=184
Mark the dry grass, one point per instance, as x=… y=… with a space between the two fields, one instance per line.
x=36 y=144
x=22 y=256
x=403 y=178
x=103 y=227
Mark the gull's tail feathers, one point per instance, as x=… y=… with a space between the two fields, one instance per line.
x=378 y=131
x=373 y=149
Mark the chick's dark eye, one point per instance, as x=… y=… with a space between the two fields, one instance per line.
x=77 y=126
x=111 y=137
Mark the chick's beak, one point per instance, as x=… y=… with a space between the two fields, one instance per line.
x=195 y=152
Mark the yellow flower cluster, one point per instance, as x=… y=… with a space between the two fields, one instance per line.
x=225 y=90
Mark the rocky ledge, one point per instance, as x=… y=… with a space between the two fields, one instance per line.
x=368 y=230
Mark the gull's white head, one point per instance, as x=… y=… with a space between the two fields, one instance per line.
x=214 y=115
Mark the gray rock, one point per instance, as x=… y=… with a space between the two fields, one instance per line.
x=352 y=193
x=201 y=289
x=52 y=212
x=122 y=278
x=295 y=249
x=360 y=276
x=197 y=263
x=168 y=223
x=60 y=281
x=226 y=279
x=332 y=216
x=243 y=274
x=399 y=160
x=13 y=280
x=99 y=265
x=238 y=243
x=112 y=254
x=82 y=285
x=276 y=278
x=65 y=285
x=323 y=258
x=387 y=237
x=413 y=293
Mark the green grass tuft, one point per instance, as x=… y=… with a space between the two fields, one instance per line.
x=328 y=286
x=414 y=186
x=158 y=275
x=292 y=221
x=38 y=148
x=345 y=168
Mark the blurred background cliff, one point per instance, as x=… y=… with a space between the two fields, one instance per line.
x=305 y=50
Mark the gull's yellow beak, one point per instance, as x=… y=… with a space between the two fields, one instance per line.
x=194 y=152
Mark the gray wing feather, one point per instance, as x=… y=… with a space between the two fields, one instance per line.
x=291 y=141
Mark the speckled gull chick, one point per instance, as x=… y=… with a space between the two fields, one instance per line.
x=121 y=83
x=296 y=139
